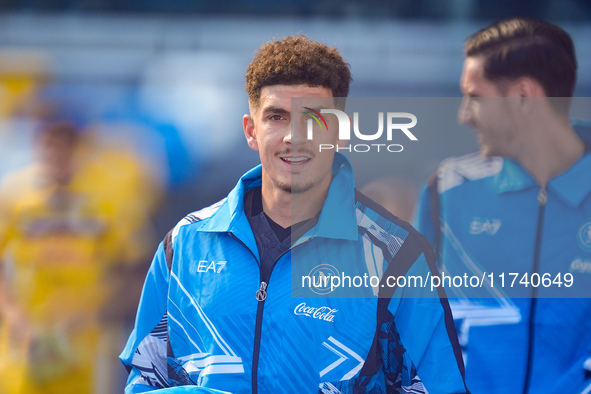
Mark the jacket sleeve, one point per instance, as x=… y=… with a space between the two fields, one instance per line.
x=145 y=353
x=424 y=322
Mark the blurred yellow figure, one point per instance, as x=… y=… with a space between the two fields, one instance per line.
x=22 y=73
x=71 y=232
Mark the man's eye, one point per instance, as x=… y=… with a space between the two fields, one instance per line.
x=276 y=117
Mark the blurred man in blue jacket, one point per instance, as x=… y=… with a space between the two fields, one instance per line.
x=520 y=209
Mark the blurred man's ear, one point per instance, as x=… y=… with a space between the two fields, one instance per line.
x=250 y=132
x=529 y=91
x=526 y=87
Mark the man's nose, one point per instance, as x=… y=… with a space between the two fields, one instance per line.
x=288 y=135
x=298 y=132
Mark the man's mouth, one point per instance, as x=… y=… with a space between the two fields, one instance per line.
x=295 y=160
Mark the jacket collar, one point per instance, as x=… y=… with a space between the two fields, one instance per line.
x=575 y=184
x=337 y=219
x=572 y=186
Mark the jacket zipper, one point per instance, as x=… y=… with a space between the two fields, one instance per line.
x=261 y=296
x=542 y=200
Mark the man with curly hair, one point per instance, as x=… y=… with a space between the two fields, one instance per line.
x=216 y=313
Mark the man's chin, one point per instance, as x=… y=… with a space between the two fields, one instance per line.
x=295 y=188
x=299 y=189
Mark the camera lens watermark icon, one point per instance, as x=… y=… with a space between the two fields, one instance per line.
x=319 y=278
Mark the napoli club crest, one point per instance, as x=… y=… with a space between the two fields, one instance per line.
x=585 y=236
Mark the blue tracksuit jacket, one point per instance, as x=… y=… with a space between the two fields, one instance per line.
x=201 y=328
x=494 y=218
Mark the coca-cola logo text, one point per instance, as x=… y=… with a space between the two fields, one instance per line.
x=322 y=313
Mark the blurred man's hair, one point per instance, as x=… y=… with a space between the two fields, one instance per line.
x=297 y=61
x=521 y=47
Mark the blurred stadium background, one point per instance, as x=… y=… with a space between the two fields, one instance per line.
x=174 y=70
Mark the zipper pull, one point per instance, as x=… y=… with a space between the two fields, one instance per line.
x=261 y=294
x=542 y=196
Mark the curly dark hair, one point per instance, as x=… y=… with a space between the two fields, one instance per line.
x=294 y=61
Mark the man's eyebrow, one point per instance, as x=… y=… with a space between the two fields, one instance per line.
x=276 y=110
x=317 y=108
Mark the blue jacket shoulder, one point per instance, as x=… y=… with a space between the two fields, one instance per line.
x=456 y=171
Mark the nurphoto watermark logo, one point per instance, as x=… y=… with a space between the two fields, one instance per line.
x=392 y=125
x=319 y=278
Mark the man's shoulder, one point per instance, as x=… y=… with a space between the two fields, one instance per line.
x=198 y=216
x=193 y=218
x=460 y=171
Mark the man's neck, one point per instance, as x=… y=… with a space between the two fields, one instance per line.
x=286 y=208
x=552 y=149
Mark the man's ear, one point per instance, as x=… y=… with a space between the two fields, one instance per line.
x=527 y=87
x=528 y=90
x=249 y=132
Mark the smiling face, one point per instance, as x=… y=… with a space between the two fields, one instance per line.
x=291 y=162
x=487 y=110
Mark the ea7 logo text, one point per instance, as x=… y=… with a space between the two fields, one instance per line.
x=204 y=266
